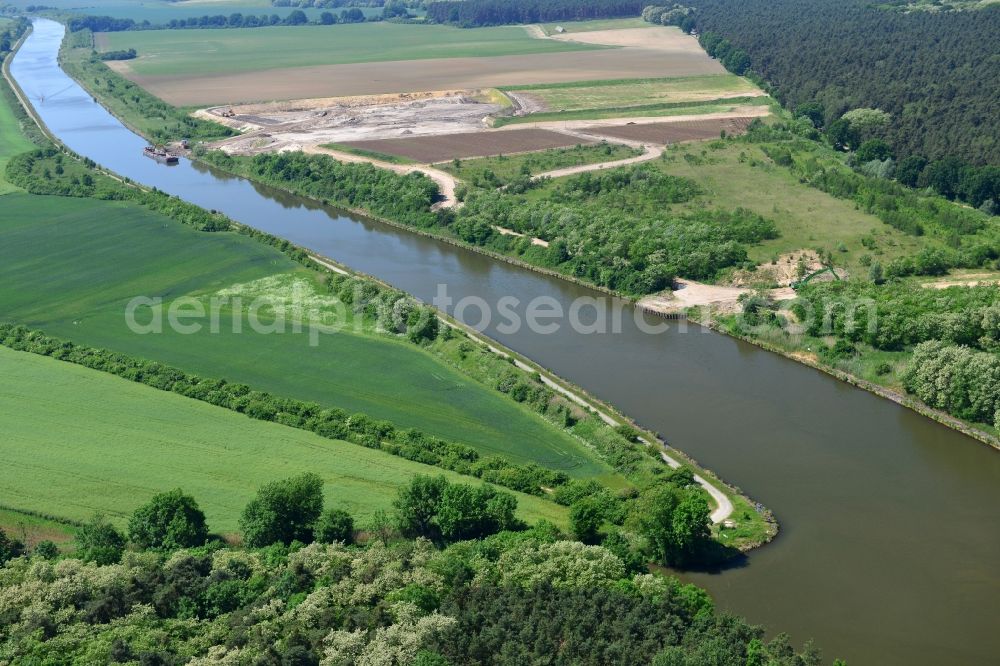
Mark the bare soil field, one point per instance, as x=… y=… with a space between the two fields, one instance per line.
x=420 y=75
x=427 y=149
x=672 y=132
x=660 y=38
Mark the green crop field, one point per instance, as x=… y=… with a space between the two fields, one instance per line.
x=597 y=24
x=507 y=167
x=69 y=266
x=200 y=52
x=12 y=142
x=664 y=109
x=638 y=92
x=78 y=441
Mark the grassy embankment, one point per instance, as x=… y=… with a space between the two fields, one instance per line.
x=194 y=52
x=108 y=444
x=505 y=168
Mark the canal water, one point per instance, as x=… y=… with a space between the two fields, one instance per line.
x=890 y=541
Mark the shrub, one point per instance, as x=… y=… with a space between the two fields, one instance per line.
x=168 y=521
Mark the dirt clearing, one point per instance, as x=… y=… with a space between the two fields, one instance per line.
x=291 y=125
x=445 y=147
x=659 y=38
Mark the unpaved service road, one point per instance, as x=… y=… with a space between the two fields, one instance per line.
x=420 y=75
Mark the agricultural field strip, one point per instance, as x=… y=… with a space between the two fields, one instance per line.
x=198 y=52
x=671 y=54
x=642 y=92
x=359 y=374
x=158 y=440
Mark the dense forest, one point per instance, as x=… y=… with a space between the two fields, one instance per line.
x=935 y=73
x=450 y=576
x=473 y=13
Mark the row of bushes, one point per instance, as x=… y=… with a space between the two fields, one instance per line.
x=406 y=198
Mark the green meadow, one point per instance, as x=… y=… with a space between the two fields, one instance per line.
x=199 y=52
x=70 y=266
x=622 y=93
x=108 y=444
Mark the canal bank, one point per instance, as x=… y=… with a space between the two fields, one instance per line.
x=889 y=539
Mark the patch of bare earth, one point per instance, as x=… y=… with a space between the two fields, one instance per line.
x=689 y=294
x=291 y=125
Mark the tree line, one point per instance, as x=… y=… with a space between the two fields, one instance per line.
x=473 y=13
x=449 y=576
x=399 y=197
x=932 y=73
x=217 y=21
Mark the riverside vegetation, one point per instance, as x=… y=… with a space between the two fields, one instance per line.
x=435 y=581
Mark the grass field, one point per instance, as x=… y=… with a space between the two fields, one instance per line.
x=69 y=266
x=806 y=217
x=200 y=52
x=12 y=142
x=622 y=93
x=505 y=168
x=666 y=109
x=597 y=24
x=77 y=441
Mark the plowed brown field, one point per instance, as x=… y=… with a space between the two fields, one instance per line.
x=427 y=149
x=667 y=132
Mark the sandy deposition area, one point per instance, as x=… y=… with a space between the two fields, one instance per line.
x=289 y=125
x=649 y=53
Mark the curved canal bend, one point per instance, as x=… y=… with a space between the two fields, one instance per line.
x=890 y=537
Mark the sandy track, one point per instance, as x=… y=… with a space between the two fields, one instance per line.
x=650 y=152
x=445 y=181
